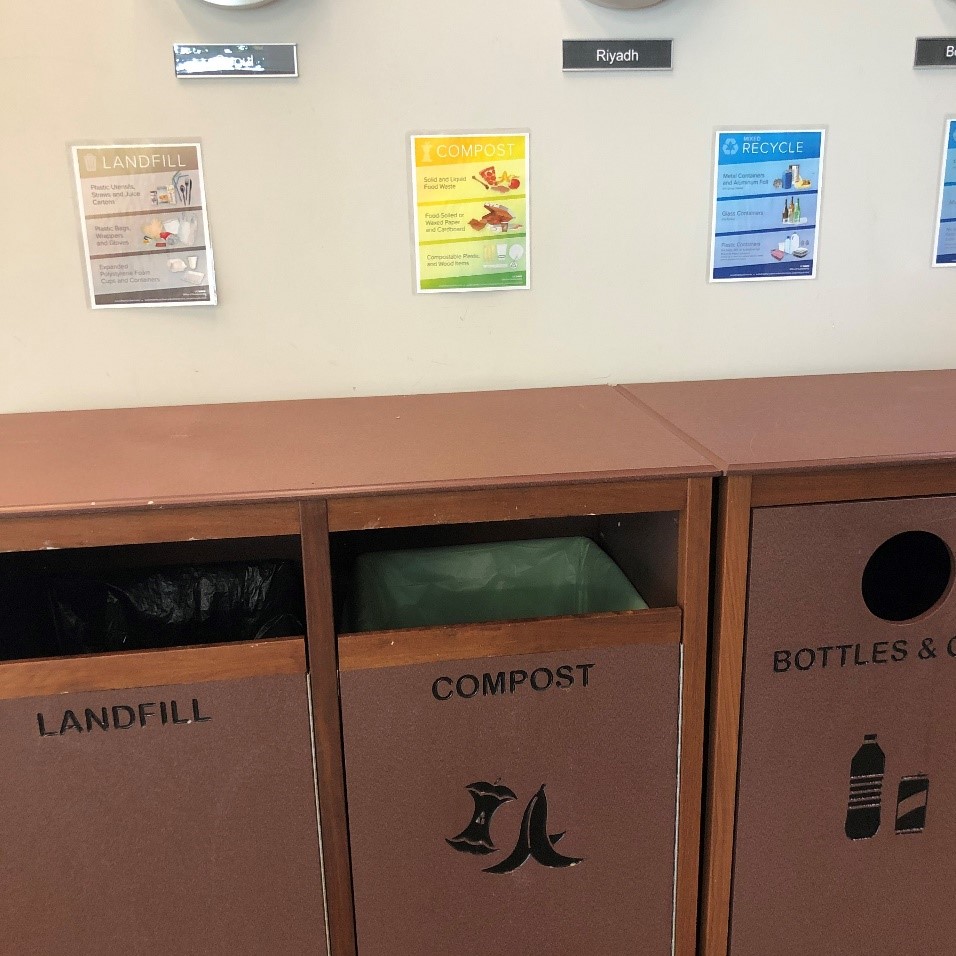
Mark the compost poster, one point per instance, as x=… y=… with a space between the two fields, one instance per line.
x=145 y=231
x=470 y=198
x=767 y=187
x=944 y=249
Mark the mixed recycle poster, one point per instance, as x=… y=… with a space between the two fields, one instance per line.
x=767 y=187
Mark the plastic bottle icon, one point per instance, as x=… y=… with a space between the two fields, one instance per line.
x=866 y=790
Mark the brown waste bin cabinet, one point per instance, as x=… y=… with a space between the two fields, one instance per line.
x=161 y=799
x=833 y=658
x=315 y=469
x=417 y=768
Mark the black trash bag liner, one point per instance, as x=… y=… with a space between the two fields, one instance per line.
x=26 y=618
x=139 y=609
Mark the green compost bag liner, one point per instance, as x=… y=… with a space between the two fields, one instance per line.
x=471 y=583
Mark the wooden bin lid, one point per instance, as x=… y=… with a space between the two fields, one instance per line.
x=804 y=423
x=331 y=447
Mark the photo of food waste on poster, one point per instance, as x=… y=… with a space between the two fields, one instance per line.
x=944 y=249
x=767 y=188
x=471 y=208
x=145 y=230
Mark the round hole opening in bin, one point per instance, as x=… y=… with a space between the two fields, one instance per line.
x=907 y=576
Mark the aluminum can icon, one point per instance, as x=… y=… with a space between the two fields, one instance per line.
x=911 y=802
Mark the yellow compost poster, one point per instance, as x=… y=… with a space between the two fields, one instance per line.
x=471 y=209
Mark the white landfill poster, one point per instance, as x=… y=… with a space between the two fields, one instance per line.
x=145 y=229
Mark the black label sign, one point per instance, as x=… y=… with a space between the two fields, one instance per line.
x=618 y=54
x=836 y=656
x=120 y=717
x=511 y=682
x=935 y=51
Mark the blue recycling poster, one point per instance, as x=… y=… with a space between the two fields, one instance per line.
x=767 y=187
x=944 y=253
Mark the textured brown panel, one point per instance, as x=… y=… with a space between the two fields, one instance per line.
x=126 y=457
x=791 y=424
x=801 y=885
x=607 y=756
x=178 y=665
x=193 y=838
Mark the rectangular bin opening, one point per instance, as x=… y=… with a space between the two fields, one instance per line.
x=438 y=576
x=145 y=597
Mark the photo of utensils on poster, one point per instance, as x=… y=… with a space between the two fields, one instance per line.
x=145 y=231
x=767 y=188
x=471 y=206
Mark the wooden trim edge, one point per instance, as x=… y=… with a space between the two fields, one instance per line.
x=408 y=509
x=327 y=730
x=148 y=526
x=854 y=484
x=153 y=668
x=720 y=811
x=694 y=596
x=402 y=648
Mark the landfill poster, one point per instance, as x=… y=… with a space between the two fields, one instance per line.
x=145 y=230
x=767 y=188
x=944 y=248
x=470 y=205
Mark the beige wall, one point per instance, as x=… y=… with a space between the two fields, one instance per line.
x=308 y=196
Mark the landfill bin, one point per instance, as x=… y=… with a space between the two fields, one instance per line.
x=162 y=798
x=511 y=742
x=833 y=766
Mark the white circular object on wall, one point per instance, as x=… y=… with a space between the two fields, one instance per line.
x=239 y=3
x=627 y=4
